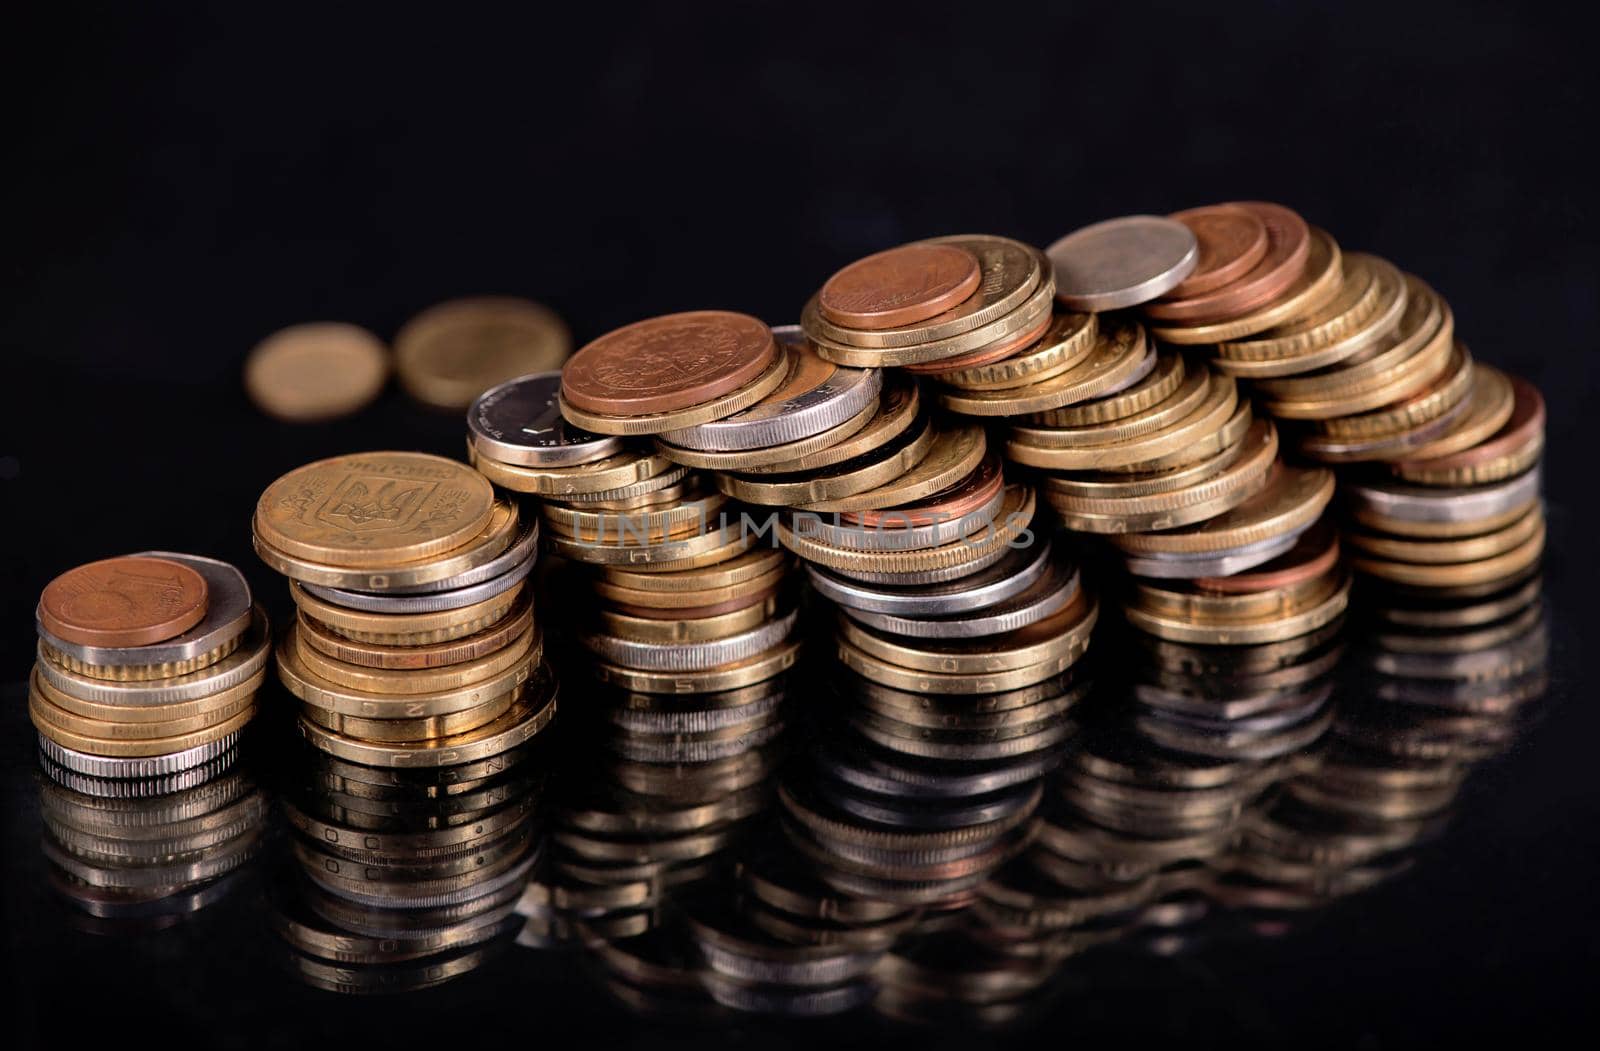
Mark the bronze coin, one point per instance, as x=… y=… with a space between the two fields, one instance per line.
x=960 y=500
x=1526 y=423
x=1232 y=241
x=134 y=601
x=1315 y=553
x=902 y=286
x=1288 y=246
x=668 y=363
x=999 y=350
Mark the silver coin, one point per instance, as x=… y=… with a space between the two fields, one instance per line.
x=431 y=602
x=1212 y=563
x=144 y=766
x=693 y=722
x=1013 y=573
x=1044 y=597
x=842 y=395
x=230 y=671
x=896 y=538
x=690 y=656
x=1417 y=504
x=1122 y=262
x=227 y=616
x=520 y=422
x=525 y=546
x=137 y=787
x=668 y=478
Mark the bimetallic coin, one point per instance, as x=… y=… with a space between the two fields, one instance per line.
x=1122 y=262
x=317 y=371
x=519 y=422
x=451 y=353
x=123 y=602
x=902 y=286
x=730 y=676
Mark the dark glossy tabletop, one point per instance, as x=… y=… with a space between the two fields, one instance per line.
x=189 y=192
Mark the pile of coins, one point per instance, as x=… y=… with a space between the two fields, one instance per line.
x=148 y=668
x=415 y=647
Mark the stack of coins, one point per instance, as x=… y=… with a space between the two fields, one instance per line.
x=406 y=878
x=143 y=854
x=148 y=667
x=415 y=646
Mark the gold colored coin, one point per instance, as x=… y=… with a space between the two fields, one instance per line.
x=516 y=727
x=1397 y=381
x=317 y=371
x=1062 y=636
x=1069 y=338
x=1435 y=530
x=1492 y=401
x=718 y=541
x=1119 y=352
x=699 y=629
x=1219 y=405
x=652 y=498
x=95 y=745
x=374 y=510
x=418 y=728
x=139 y=672
x=1457 y=574
x=757 y=564
x=451 y=353
x=1202 y=449
x=961 y=683
x=372 y=627
x=111 y=722
x=1155 y=389
x=436 y=655
x=318 y=692
x=1372 y=289
x=1270 y=629
x=853 y=476
x=1427 y=405
x=783 y=455
x=735 y=541
x=525 y=648
x=662 y=519
x=490 y=543
x=898 y=407
x=1312 y=290
x=1293 y=498
x=1459 y=549
x=986 y=538
x=955 y=454
x=1182 y=401
x=614 y=472
x=755 y=669
x=1110 y=486
x=1178 y=601
x=658 y=422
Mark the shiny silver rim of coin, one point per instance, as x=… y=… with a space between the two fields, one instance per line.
x=1212 y=563
x=431 y=602
x=896 y=538
x=699 y=721
x=832 y=402
x=523 y=548
x=237 y=667
x=228 y=604
x=891 y=779
x=1416 y=504
x=974 y=812
x=519 y=422
x=691 y=656
x=1122 y=262
x=665 y=480
x=1013 y=573
x=1046 y=596
x=137 y=787
x=653 y=750
x=142 y=767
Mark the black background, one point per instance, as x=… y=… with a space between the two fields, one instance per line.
x=184 y=181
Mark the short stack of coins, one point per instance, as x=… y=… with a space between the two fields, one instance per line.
x=148 y=668
x=143 y=854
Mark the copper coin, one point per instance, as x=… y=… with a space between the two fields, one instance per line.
x=1232 y=241
x=956 y=502
x=902 y=286
x=1315 y=553
x=1527 y=422
x=133 y=601
x=999 y=350
x=1288 y=246
x=668 y=363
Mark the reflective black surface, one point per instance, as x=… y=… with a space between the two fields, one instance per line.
x=189 y=183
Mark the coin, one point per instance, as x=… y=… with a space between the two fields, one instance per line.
x=492 y=638
x=726 y=677
x=756 y=564
x=1046 y=596
x=1122 y=262
x=1463 y=505
x=369 y=510
x=1156 y=388
x=816 y=396
x=899 y=405
x=1511 y=450
x=317 y=371
x=403 y=683
x=1314 y=553
x=954 y=454
x=1015 y=571
x=391 y=628
x=785 y=455
x=1182 y=437
x=690 y=656
x=1370 y=302
x=1453 y=549
x=451 y=353
x=1490 y=404
x=1291 y=501
x=1035 y=328
x=1317 y=284
x=123 y=602
x=669 y=363
x=766 y=382
x=1494 y=570
x=982 y=546
x=431 y=602
x=519 y=422
x=867 y=471
x=901 y=286
x=1066 y=338
x=1120 y=356
x=1232 y=241
x=615 y=472
x=243 y=663
x=134 y=749
x=1288 y=244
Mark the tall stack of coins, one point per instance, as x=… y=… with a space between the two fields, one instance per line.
x=143 y=854
x=414 y=648
x=148 y=667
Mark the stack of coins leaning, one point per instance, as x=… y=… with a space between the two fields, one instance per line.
x=415 y=646
x=148 y=667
